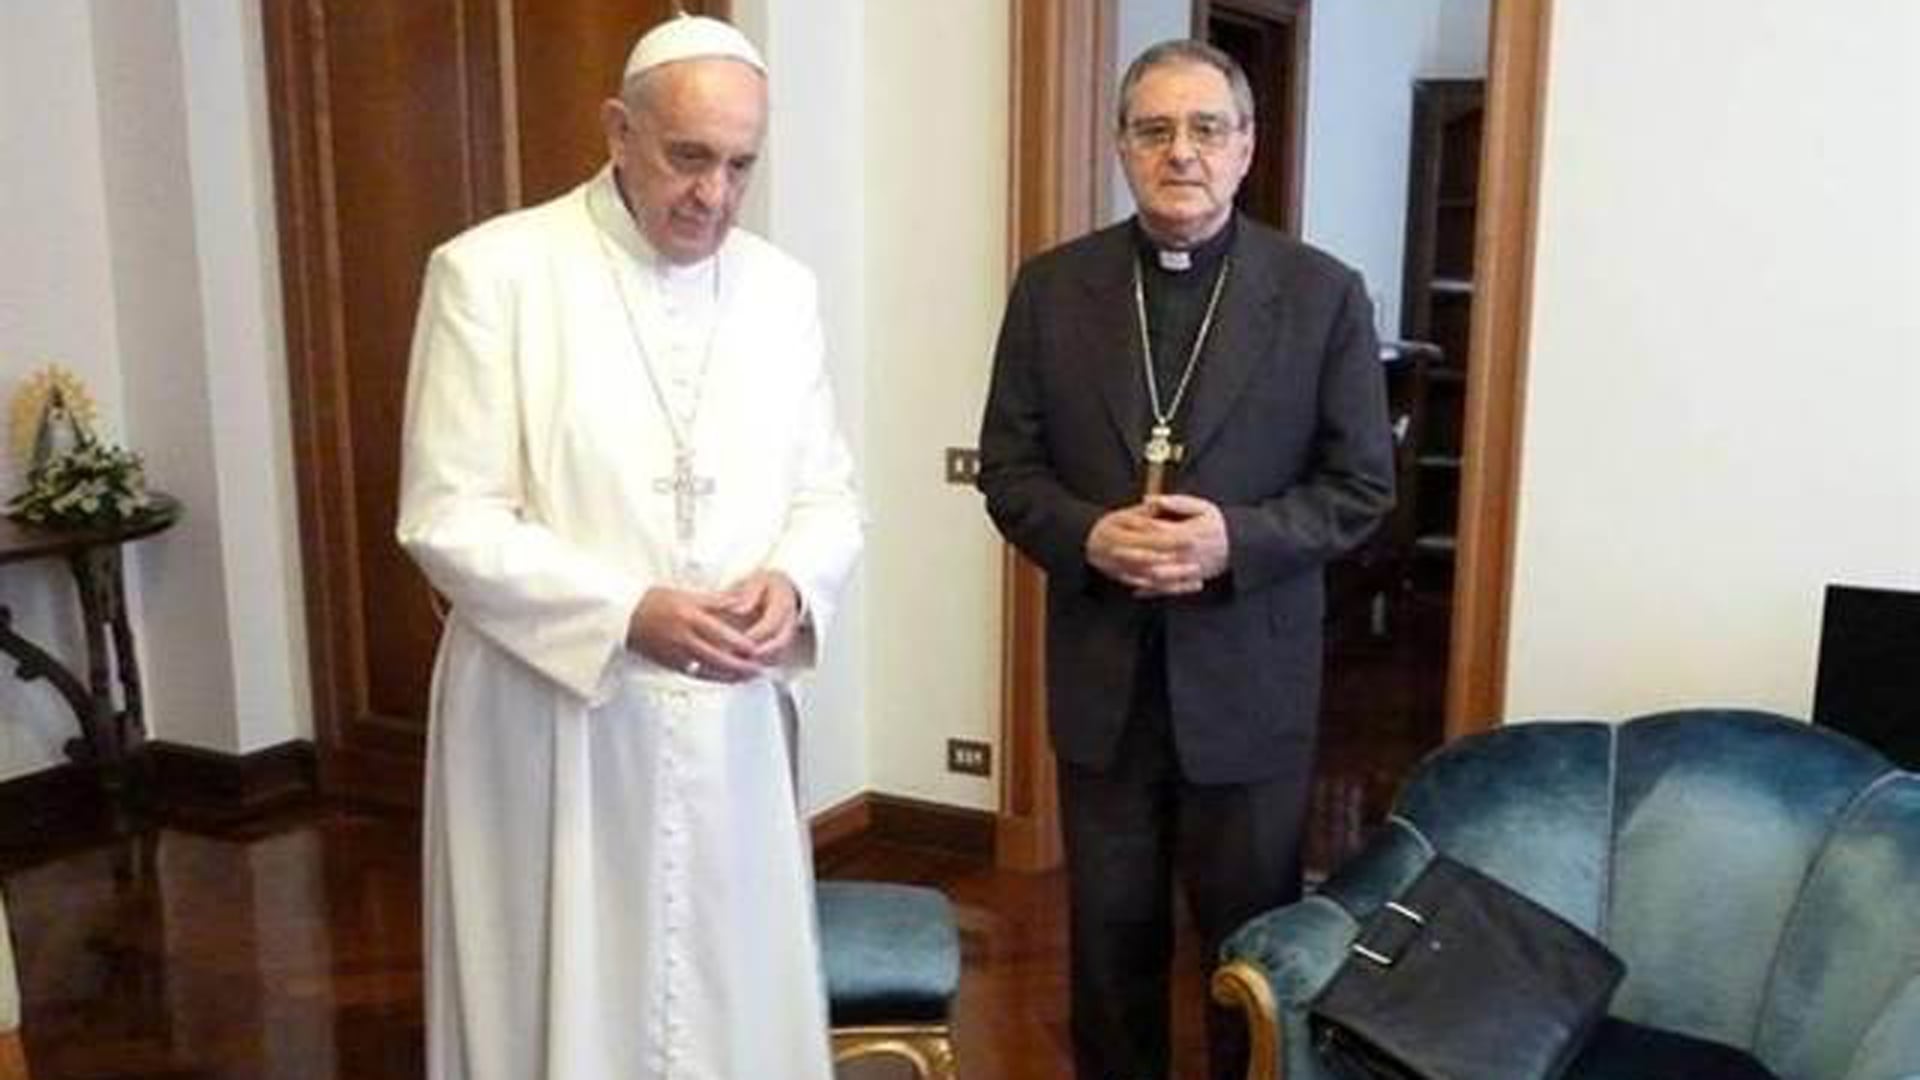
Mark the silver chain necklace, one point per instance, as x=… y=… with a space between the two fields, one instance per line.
x=1160 y=448
x=683 y=484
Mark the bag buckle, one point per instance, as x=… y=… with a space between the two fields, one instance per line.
x=1380 y=958
x=1406 y=912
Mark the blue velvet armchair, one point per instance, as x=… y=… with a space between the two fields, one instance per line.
x=1760 y=877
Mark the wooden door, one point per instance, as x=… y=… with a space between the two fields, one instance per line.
x=1268 y=39
x=395 y=126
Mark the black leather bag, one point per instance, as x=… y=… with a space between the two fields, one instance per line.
x=1461 y=978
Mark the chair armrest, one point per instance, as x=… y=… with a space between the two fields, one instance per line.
x=1278 y=962
x=1296 y=948
x=1271 y=968
x=1395 y=854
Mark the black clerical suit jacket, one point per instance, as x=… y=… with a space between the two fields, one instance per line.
x=1285 y=430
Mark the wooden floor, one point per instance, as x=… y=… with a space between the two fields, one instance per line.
x=288 y=951
x=1011 y=1019
x=291 y=949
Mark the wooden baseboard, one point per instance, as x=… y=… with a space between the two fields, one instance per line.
x=916 y=823
x=47 y=810
x=895 y=819
x=194 y=785
x=13 y=1058
x=848 y=819
x=62 y=806
x=187 y=785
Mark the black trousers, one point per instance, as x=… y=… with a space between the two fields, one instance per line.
x=1130 y=830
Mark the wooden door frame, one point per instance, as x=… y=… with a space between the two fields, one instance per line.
x=1297 y=15
x=1059 y=128
x=1059 y=54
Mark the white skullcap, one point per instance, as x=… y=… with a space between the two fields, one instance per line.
x=689 y=37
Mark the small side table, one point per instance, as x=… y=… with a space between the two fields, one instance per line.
x=108 y=734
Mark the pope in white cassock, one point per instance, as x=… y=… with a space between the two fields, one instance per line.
x=622 y=469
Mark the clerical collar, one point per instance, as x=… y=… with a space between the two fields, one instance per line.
x=1205 y=257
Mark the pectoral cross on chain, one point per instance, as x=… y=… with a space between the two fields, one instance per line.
x=1161 y=451
x=685 y=487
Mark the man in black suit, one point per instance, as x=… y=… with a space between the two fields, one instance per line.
x=1182 y=498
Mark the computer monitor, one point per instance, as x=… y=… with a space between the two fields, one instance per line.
x=1869 y=677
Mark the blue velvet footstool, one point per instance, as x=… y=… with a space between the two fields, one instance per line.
x=892 y=960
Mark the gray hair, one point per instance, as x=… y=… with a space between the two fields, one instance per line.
x=1180 y=51
x=636 y=91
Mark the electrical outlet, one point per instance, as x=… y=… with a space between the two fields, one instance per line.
x=969 y=757
x=963 y=465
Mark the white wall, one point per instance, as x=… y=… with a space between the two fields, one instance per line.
x=936 y=235
x=1458 y=40
x=138 y=220
x=56 y=305
x=886 y=171
x=1138 y=25
x=810 y=198
x=1724 y=380
x=1364 y=57
x=157 y=308
x=245 y=365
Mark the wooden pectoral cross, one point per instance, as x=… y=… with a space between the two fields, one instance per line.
x=1161 y=452
x=685 y=487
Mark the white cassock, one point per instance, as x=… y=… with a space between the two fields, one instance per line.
x=617 y=878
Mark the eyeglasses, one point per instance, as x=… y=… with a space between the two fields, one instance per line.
x=1208 y=131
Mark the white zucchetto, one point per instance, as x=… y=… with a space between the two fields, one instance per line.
x=690 y=37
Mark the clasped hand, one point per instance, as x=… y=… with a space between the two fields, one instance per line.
x=1165 y=545
x=728 y=635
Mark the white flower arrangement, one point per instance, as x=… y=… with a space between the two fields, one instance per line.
x=74 y=478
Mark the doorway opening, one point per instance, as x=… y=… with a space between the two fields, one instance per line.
x=1268 y=39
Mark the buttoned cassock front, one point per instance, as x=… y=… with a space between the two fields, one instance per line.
x=617 y=881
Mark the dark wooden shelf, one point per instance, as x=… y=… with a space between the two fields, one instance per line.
x=1437 y=291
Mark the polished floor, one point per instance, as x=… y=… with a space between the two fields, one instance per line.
x=290 y=950
x=293 y=951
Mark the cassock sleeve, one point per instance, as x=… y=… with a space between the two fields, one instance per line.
x=821 y=537
x=464 y=513
x=1349 y=487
